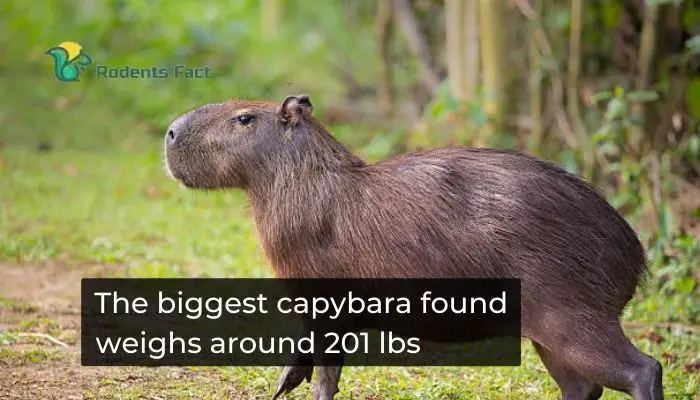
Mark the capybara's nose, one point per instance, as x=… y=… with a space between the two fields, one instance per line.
x=171 y=135
x=175 y=130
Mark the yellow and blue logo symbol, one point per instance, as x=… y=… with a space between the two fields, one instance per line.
x=68 y=60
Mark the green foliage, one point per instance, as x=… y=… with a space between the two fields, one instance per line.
x=612 y=141
x=462 y=120
x=445 y=107
x=443 y=104
x=678 y=264
x=650 y=3
x=693 y=44
x=226 y=36
x=692 y=98
x=674 y=255
x=614 y=138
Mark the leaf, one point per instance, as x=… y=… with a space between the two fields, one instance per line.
x=636 y=119
x=691 y=18
x=692 y=98
x=380 y=147
x=568 y=160
x=667 y=270
x=653 y=337
x=477 y=115
x=651 y=3
x=617 y=108
x=602 y=96
x=562 y=19
x=619 y=91
x=600 y=136
x=694 y=147
x=665 y=222
x=686 y=285
x=684 y=242
x=693 y=44
x=609 y=149
x=642 y=96
x=692 y=367
x=436 y=109
x=620 y=200
x=611 y=14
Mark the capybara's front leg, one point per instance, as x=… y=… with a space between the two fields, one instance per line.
x=291 y=377
x=327 y=383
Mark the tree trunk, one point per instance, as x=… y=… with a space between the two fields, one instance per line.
x=462 y=33
x=472 y=51
x=572 y=84
x=647 y=65
x=386 y=90
x=644 y=139
x=454 y=35
x=493 y=26
x=536 y=95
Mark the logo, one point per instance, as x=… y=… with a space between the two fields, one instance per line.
x=68 y=60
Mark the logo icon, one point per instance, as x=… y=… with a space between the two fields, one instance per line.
x=68 y=59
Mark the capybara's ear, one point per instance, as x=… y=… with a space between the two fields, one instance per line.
x=294 y=107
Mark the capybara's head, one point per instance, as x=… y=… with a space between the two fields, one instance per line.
x=225 y=145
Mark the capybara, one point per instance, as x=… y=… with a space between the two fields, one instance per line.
x=321 y=212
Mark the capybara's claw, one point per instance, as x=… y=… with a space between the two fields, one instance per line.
x=291 y=378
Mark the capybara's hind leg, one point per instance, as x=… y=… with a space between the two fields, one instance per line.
x=573 y=386
x=327 y=382
x=602 y=354
x=648 y=383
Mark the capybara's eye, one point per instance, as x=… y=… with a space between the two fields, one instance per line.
x=245 y=119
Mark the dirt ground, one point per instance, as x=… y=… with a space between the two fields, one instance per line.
x=45 y=299
x=43 y=292
x=48 y=291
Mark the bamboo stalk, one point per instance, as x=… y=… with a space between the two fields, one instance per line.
x=455 y=44
x=493 y=36
x=536 y=88
x=471 y=51
x=386 y=90
x=572 y=97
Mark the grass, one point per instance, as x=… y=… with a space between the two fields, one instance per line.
x=100 y=195
x=26 y=357
x=112 y=202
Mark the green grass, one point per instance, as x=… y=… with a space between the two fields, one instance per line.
x=25 y=357
x=100 y=195
x=117 y=206
x=111 y=202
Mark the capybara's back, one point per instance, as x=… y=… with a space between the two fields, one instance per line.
x=322 y=212
x=460 y=213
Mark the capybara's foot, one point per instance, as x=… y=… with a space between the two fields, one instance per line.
x=327 y=383
x=291 y=378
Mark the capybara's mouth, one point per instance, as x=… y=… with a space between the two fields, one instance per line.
x=182 y=179
x=169 y=170
x=189 y=182
x=176 y=174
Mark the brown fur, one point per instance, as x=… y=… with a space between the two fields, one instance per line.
x=322 y=212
